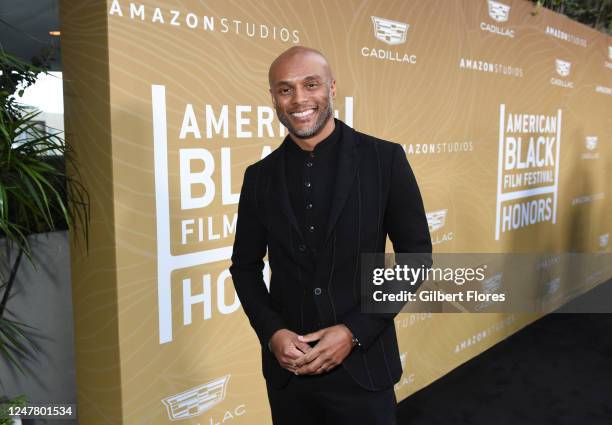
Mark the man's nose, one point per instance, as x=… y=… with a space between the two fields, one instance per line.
x=299 y=95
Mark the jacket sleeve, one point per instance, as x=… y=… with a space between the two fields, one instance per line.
x=406 y=224
x=250 y=244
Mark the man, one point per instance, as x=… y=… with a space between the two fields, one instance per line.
x=326 y=195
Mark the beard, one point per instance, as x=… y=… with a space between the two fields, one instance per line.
x=316 y=127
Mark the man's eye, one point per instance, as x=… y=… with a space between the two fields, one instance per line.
x=311 y=85
x=285 y=91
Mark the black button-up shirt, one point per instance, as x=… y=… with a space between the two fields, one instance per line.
x=311 y=177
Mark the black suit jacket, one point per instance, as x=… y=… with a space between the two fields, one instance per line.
x=376 y=195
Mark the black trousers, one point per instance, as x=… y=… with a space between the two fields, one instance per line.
x=332 y=398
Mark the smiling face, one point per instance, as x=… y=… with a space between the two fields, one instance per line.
x=302 y=90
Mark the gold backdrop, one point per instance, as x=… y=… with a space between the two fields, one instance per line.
x=505 y=115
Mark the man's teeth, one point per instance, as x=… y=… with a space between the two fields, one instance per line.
x=303 y=113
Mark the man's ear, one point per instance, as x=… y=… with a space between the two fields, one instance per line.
x=332 y=88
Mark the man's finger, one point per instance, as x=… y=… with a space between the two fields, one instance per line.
x=308 y=357
x=289 y=368
x=311 y=367
x=324 y=368
x=293 y=353
x=303 y=347
x=320 y=370
x=314 y=336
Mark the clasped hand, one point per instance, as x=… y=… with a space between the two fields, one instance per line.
x=295 y=354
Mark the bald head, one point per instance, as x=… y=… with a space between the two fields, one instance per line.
x=302 y=89
x=295 y=59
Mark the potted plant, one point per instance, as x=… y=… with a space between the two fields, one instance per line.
x=36 y=193
x=5 y=419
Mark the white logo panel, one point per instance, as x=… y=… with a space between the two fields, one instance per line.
x=499 y=12
x=591 y=142
x=390 y=32
x=197 y=400
x=436 y=220
x=563 y=67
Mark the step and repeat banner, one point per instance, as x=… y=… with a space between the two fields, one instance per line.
x=504 y=111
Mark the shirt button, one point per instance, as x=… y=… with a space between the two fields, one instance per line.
x=309 y=206
x=317 y=291
x=309 y=164
x=307 y=184
x=312 y=154
x=302 y=247
x=311 y=228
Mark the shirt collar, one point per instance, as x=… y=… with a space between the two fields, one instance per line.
x=323 y=146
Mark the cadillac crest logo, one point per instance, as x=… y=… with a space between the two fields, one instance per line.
x=390 y=32
x=197 y=400
x=498 y=11
x=563 y=67
x=436 y=220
